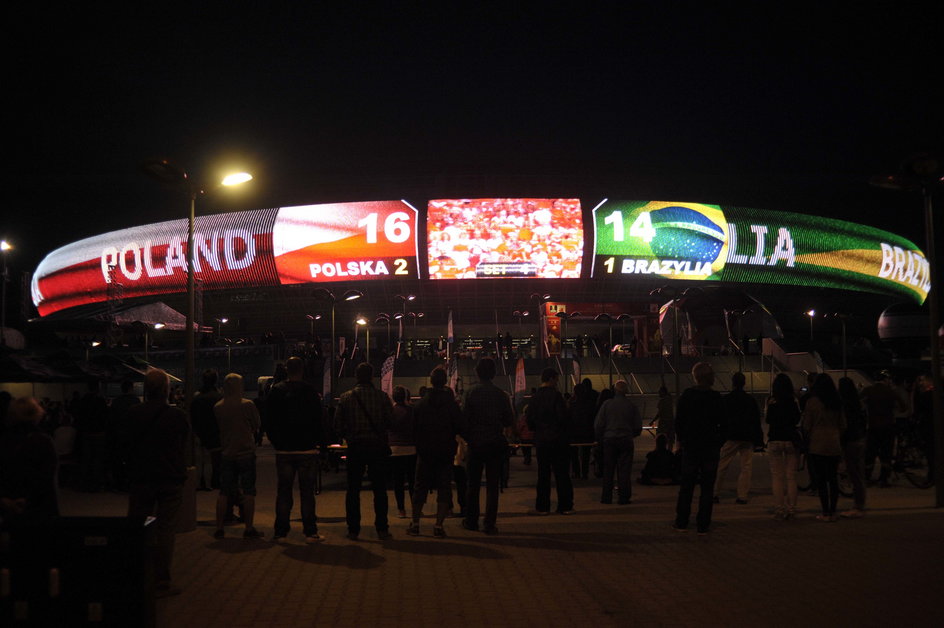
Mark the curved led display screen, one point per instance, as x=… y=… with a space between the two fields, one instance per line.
x=732 y=244
x=478 y=238
x=269 y=247
x=505 y=237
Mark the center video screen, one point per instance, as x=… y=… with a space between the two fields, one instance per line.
x=505 y=237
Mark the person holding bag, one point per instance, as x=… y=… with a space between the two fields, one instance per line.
x=364 y=416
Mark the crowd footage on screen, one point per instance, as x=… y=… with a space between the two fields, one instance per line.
x=545 y=233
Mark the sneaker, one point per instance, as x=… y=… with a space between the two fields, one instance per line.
x=468 y=525
x=853 y=513
x=353 y=536
x=439 y=532
x=566 y=512
x=703 y=532
x=491 y=531
x=219 y=534
x=679 y=529
x=384 y=535
x=311 y=539
x=740 y=501
x=401 y=514
x=413 y=529
x=279 y=538
x=252 y=533
x=824 y=518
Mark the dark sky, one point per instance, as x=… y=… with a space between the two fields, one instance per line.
x=786 y=108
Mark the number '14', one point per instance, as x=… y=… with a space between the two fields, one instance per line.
x=641 y=227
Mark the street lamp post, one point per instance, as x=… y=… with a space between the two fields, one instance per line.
x=363 y=322
x=609 y=357
x=842 y=321
x=811 y=314
x=924 y=172
x=168 y=173
x=4 y=248
x=350 y=295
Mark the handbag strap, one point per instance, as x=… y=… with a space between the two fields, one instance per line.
x=370 y=419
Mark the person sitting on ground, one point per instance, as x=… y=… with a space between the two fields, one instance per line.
x=661 y=464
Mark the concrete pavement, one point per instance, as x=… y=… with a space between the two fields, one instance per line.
x=606 y=565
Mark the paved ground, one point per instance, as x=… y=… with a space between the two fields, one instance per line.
x=603 y=566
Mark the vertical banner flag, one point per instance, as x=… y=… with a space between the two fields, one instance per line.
x=453 y=374
x=520 y=383
x=326 y=381
x=576 y=368
x=449 y=335
x=386 y=375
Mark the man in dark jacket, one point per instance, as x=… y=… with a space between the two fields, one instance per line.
x=206 y=429
x=436 y=421
x=293 y=420
x=363 y=416
x=487 y=413
x=157 y=470
x=742 y=433
x=698 y=420
x=547 y=417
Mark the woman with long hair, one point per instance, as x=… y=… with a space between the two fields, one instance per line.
x=783 y=415
x=824 y=422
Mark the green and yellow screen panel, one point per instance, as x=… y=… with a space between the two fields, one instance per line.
x=697 y=241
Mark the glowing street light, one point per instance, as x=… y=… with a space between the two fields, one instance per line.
x=811 y=314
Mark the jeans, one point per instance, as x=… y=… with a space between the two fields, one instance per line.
x=854 y=454
x=827 y=481
x=403 y=469
x=744 y=449
x=163 y=502
x=432 y=474
x=490 y=459
x=554 y=458
x=378 y=468
x=881 y=440
x=287 y=466
x=618 y=459
x=580 y=459
x=783 y=459
x=699 y=465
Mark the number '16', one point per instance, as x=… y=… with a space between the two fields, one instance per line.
x=396 y=227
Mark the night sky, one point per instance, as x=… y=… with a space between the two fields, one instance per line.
x=788 y=108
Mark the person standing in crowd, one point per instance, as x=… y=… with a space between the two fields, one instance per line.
x=486 y=415
x=207 y=431
x=698 y=428
x=582 y=409
x=239 y=421
x=665 y=417
x=402 y=448
x=91 y=422
x=617 y=423
x=436 y=425
x=363 y=417
x=783 y=418
x=743 y=433
x=294 y=423
x=853 y=445
x=823 y=421
x=28 y=464
x=547 y=418
x=881 y=403
x=157 y=470
x=118 y=434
